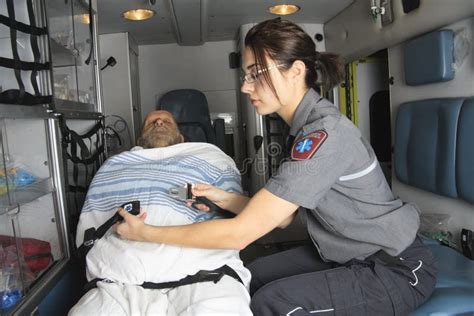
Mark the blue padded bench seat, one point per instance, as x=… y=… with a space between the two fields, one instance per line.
x=434 y=151
x=433 y=146
x=454 y=293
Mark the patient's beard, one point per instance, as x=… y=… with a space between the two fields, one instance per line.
x=157 y=138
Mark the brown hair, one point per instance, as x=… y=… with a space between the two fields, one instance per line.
x=284 y=42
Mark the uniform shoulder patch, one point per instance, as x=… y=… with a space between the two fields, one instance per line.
x=305 y=147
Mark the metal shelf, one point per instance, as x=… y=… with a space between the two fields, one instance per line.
x=76 y=110
x=24 y=195
x=25 y=111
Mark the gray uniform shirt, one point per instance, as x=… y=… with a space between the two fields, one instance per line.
x=349 y=208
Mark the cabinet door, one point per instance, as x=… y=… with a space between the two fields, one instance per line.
x=33 y=242
x=62 y=49
x=72 y=54
x=83 y=43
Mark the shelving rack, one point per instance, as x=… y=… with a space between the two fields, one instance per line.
x=35 y=143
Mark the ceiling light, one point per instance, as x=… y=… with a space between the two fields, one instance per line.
x=284 y=9
x=138 y=15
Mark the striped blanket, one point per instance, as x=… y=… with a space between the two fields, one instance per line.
x=147 y=175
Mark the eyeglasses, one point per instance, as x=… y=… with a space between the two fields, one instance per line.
x=253 y=76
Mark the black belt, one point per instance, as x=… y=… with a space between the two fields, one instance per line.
x=201 y=276
x=382 y=258
x=391 y=262
x=388 y=260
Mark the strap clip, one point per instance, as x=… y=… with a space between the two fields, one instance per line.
x=89 y=237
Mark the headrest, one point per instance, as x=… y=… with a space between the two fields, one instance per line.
x=433 y=146
x=429 y=58
x=186 y=105
x=190 y=110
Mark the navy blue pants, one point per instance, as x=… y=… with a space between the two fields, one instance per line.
x=297 y=282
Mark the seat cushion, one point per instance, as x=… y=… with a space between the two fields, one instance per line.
x=454 y=293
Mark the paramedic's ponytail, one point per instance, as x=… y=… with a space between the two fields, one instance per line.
x=329 y=70
x=285 y=42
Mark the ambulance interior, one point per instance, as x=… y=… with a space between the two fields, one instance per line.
x=409 y=88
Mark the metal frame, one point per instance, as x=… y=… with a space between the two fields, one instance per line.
x=24 y=111
x=98 y=88
x=56 y=167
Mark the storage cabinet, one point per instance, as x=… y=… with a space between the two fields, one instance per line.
x=48 y=67
x=72 y=53
x=33 y=243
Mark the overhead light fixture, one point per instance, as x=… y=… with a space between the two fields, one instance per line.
x=283 y=9
x=138 y=14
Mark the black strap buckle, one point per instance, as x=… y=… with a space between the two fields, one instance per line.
x=90 y=237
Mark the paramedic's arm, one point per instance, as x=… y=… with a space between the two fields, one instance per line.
x=287 y=221
x=230 y=201
x=263 y=213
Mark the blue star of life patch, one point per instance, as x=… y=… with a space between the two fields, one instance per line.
x=305 y=147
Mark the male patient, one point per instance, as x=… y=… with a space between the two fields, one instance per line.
x=146 y=174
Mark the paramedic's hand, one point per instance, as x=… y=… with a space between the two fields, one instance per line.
x=230 y=201
x=218 y=196
x=132 y=227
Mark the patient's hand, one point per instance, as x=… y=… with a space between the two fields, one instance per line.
x=214 y=194
x=132 y=227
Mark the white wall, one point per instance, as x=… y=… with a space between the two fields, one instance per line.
x=168 y=67
x=461 y=86
x=116 y=86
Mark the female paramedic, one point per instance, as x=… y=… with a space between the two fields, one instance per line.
x=365 y=257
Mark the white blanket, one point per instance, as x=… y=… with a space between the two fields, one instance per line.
x=147 y=175
x=226 y=298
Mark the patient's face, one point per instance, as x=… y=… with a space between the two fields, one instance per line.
x=159 y=130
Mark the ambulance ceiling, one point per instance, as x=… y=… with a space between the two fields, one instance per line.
x=193 y=22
